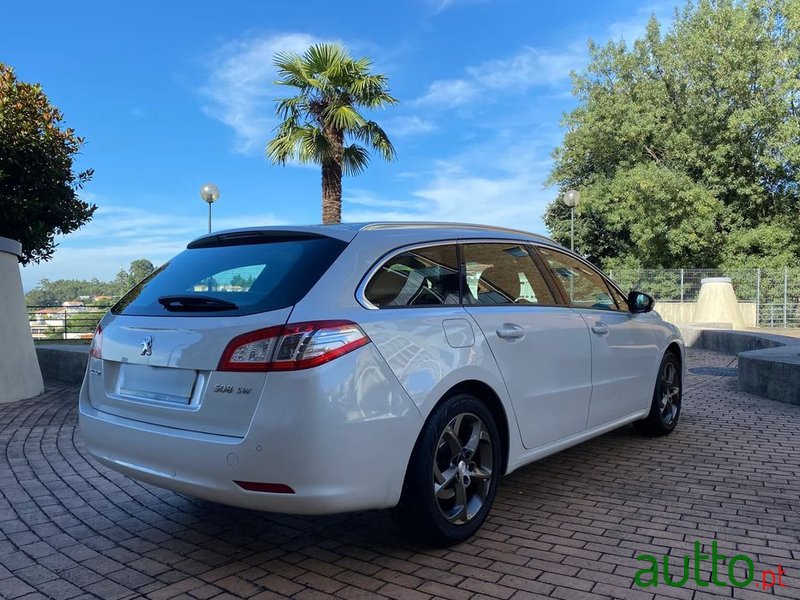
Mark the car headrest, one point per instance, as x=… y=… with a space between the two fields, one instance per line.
x=498 y=286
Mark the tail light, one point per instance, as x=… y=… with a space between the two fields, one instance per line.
x=96 y=348
x=292 y=347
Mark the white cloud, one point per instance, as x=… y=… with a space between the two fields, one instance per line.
x=407 y=126
x=448 y=93
x=494 y=183
x=530 y=67
x=239 y=91
x=365 y=198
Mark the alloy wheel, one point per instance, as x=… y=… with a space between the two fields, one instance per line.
x=670 y=393
x=462 y=468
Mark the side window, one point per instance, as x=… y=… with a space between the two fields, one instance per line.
x=585 y=287
x=502 y=273
x=419 y=277
x=622 y=301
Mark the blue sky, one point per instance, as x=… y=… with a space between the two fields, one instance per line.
x=170 y=95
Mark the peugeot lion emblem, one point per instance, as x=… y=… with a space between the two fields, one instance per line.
x=147 y=346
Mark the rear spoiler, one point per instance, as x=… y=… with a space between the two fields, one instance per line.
x=265 y=235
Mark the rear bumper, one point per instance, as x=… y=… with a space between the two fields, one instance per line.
x=339 y=435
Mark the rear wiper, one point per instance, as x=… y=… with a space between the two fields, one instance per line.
x=195 y=302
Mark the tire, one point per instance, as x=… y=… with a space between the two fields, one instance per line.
x=665 y=409
x=452 y=476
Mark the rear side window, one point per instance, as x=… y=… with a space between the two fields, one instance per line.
x=502 y=273
x=233 y=279
x=419 y=277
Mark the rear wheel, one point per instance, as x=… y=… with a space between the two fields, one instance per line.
x=666 y=407
x=452 y=477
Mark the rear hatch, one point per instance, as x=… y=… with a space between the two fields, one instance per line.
x=161 y=344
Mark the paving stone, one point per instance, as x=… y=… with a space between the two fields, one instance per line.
x=569 y=526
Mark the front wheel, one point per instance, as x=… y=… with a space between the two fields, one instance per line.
x=666 y=407
x=452 y=477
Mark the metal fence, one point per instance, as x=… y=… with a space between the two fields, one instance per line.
x=65 y=322
x=774 y=292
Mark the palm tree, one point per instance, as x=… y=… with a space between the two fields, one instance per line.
x=324 y=116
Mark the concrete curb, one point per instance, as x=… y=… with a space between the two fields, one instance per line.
x=64 y=362
x=769 y=364
x=774 y=373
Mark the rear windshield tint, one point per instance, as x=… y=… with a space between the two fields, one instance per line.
x=255 y=277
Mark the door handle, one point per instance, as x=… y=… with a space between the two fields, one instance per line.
x=510 y=331
x=600 y=328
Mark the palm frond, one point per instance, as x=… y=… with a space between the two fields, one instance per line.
x=290 y=107
x=292 y=70
x=305 y=143
x=355 y=159
x=343 y=117
x=315 y=147
x=372 y=134
x=321 y=58
x=363 y=64
x=366 y=83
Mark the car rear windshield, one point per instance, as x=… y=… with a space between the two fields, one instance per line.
x=231 y=280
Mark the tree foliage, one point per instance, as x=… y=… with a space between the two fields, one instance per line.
x=56 y=292
x=38 y=187
x=138 y=270
x=244 y=283
x=323 y=124
x=686 y=146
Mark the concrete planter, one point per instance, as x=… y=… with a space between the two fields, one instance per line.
x=20 y=376
x=717 y=303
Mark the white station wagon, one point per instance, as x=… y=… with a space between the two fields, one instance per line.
x=325 y=369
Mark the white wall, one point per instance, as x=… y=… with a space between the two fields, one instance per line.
x=20 y=376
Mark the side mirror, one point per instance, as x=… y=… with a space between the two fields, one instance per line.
x=639 y=302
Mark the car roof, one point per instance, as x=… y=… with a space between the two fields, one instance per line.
x=407 y=229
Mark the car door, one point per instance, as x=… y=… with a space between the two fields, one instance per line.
x=624 y=347
x=417 y=322
x=541 y=346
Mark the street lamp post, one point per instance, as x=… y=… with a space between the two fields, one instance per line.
x=209 y=193
x=572 y=198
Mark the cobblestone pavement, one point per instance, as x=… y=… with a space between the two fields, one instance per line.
x=566 y=527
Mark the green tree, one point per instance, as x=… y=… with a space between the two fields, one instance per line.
x=320 y=123
x=42 y=295
x=125 y=280
x=56 y=292
x=84 y=322
x=241 y=282
x=140 y=269
x=38 y=186
x=686 y=146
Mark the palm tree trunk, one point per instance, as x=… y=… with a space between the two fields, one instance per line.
x=331 y=192
x=332 y=176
